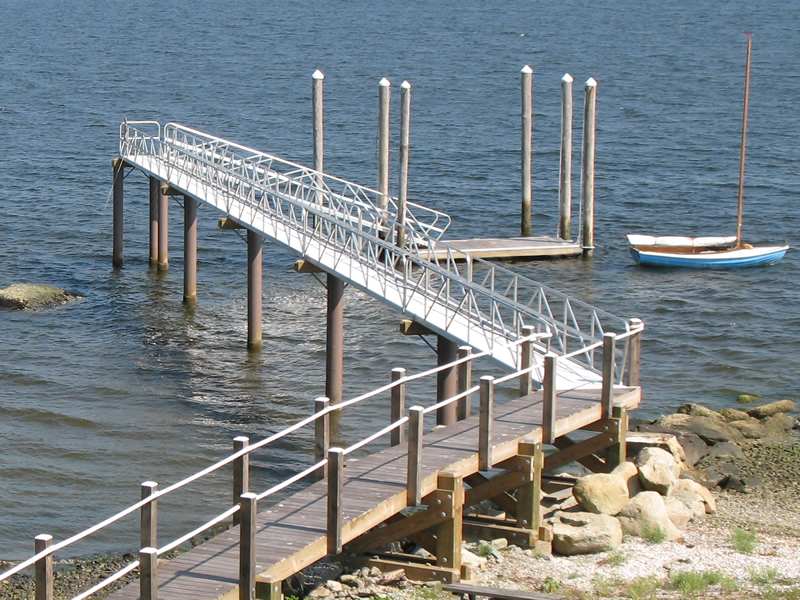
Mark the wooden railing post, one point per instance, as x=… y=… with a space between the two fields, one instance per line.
x=322 y=434
x=247 y=546
x=414 y=475
x=335 y=488
x=634 y=354
x=148 y=537
x=241 y=474
x=148 y=574
x=549 y=399
x=607 y=393
x=526 y=361
x=44 y=568
x=464 y=406
x=485 y=424
x=529 y=494
x=398 y=405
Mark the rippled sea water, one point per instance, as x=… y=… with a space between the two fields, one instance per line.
x=127 y=385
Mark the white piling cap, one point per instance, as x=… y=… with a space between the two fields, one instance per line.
x=318 y=75
x=526 y=69
x=591 y=82
x=567 y=78
x=405 y=85
x=384 y=82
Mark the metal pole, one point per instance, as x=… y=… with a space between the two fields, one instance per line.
x=405 y=124
x=384 y=100
x=155 y=190
x=189 y=250
x=587 y=179
x=254 y=290
x=565 y=181
x=527 y=136
x=334 y=354
x=163 y=228
x=446 y=380
x=119 y=174
x=740 y=211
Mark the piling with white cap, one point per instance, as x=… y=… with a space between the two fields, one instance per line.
x=565 y=171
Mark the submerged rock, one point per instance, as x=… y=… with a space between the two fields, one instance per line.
x=22 y=296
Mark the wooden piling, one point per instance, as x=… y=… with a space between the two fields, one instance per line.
x=486 y=418
x=148 y=574
x=384 y=101
x=464 y=405
x=241 y=473
x=155 y=190
x=189 y=250
x=119 y=175
x=398 y=405
x=335 y=487
x=549 y=399
x=148 y=536
x=334 y=351
x=322 y=434
x=587 y=178
x=163 y=228
x=607 y=392
x=634 y=354
x=405 y=135
x=446 y=379
x=413 y=472
x=529 y=507
x=526 y=361
x=527 y=137
x=43 y=570
x=254 y=290
x=247 y=546
x=317 y=79
x=565 y=179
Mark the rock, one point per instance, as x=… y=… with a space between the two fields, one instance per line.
x=732 y=414
x=724 y=450
x=585 y=533
x=773 y=408
x=712 y=431
x=647 y=511
x=391 y=577
x=22 y=296
x=746 y=485
x=694 y=448
x=470 y=559
x=752 y=429
x=694 y=489
x=499 y=543
x=779 y=423
x=658 y=470
x=691 y=502
x=747 y=398
x=679 y=512
x=699 y=411
x=601 y=493
x=630 y=473
x=636 y=441
x=334 y=586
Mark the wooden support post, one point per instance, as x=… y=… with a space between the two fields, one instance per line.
x=155 y=191
x=587 y=180
x=241 y=474
x=413 y=473
x=549 y=399
x=119 y=175
x=617 y=453
x=609 y=356
x=405 y=135
x=254 y=290
x=43 y=570
x=486 y=417
x=529 y=494
x=334 y=353
x=268 y=588
x=565 y=179
x=398 y=405
x=384 y=100
x=449 y=533
x=163 y=228
x=148 y=517
x=446 y=379
x=464 y=382
x=335 y=488
x=526 y=361
x=148 y=574
x=247 y=546
x=527 y=137
x=322 y=434
x=634 y=354
x=189 y=250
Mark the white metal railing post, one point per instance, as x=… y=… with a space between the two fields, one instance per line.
x=247 y=546
x=148 y=574
x=414 y=475
x=485 y=424
x=398 y=405
x=609 y=356
x=241 y=474
x=44 y=568
x=322 y=434
x=526 y=361
x=148 y=536
x=549 y=399
x=335 y=489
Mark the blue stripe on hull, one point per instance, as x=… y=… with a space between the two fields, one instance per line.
x=657 y=260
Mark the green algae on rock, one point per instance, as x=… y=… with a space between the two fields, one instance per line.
x=22 y=296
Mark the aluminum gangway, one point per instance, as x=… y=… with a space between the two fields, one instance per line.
x=352 y=232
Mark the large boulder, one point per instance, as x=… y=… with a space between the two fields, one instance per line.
x=680 y=512
x=698 y=492
x=601 y=493
x=712 y=431
x=630 y=473
x=647 y=512
x=733 y=414
x=773 y=408
x=751 y=428
x=585 y=533
x=22 y=296
x=699 y=410
x=658 y=470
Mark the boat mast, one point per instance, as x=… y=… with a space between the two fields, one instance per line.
x=744 y=139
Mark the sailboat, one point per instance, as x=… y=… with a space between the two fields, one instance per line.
x=709 y=251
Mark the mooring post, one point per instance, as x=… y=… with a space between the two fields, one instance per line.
x=405 y=135
x=527 y=137
x=241 y=473
x=163 y=228
x=317 y=81
x=254 y=290
x=384 y=100
x=526 y=361
x=549 y=399
x=486 y=418
x=464 y=406
x=587 y=179
x=148 y=574
x=322 y=434
x=148 y=517
x=565 y=181
x=189 y=250
x=446 y=379
x=398 y=405
x=247 y=546
x=43 y=570
x=155 y=191
x=335 y=488
x=119 y=175
x=607 y=392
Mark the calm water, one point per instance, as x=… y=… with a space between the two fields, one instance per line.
x=126 y=385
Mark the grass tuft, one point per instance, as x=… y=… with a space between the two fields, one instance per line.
x=654 y=534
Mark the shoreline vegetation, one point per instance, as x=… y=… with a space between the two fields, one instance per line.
x=749 y=458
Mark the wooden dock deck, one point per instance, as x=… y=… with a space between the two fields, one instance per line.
x=293 y=534
x=512 y=248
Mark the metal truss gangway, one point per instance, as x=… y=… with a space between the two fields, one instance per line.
x=352 y=232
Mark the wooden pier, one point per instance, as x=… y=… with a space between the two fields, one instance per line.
x=509 y=248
